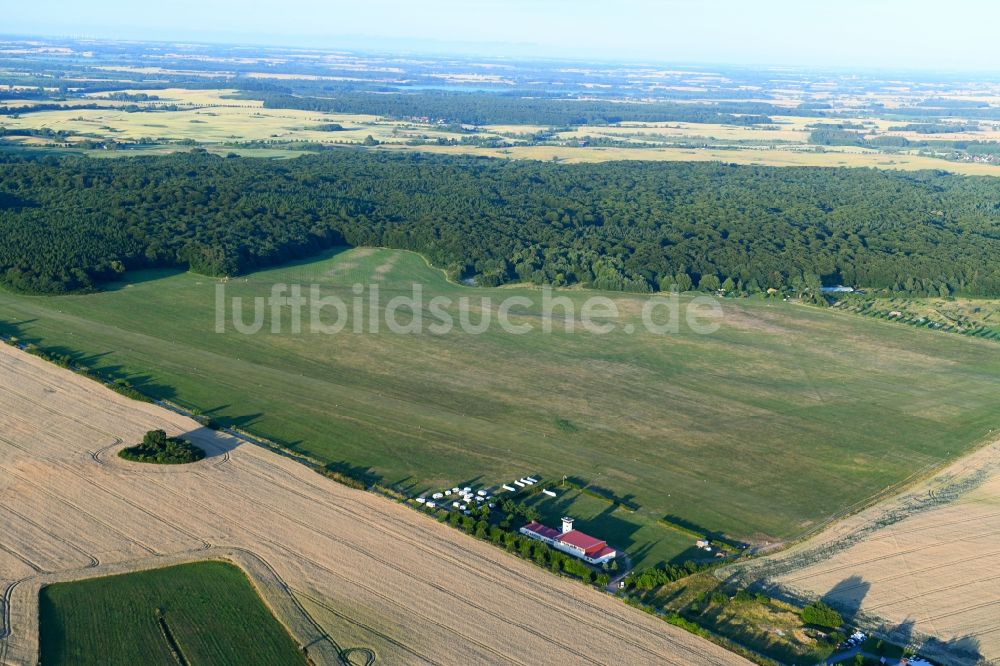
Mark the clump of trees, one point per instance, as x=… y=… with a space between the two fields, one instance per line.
x=822 y=615
x=159 y=449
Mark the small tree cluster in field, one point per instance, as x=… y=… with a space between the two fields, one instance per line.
x=821 y=615
x=157 y=448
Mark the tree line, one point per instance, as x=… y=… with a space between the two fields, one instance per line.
x=71 y=223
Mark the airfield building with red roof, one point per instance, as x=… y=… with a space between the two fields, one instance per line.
x=573 y=542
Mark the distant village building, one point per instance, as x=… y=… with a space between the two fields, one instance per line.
x=570 y=541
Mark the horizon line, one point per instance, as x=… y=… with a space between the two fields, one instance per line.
x=383 y=46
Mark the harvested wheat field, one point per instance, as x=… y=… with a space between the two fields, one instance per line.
x=352 y=576
x=922 y=568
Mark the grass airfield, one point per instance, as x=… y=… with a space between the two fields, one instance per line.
x=784 y=419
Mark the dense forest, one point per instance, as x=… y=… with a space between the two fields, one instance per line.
x=823 y=136
x=69 y=223
x=495 y=109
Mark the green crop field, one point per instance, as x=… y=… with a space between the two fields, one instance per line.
x=780 y=420
x=208 y=610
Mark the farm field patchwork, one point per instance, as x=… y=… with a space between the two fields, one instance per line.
x=223 y=124
x=214 y=119
x=765 y=430
x=207 y=612
x=354 y=577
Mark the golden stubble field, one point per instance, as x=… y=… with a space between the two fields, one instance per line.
x=923 y=564
x=331 y=562
x=214 y=117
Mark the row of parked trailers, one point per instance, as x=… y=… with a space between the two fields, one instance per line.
x=521 y=483
x=463 y=498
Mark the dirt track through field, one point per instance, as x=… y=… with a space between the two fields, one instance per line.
x=343 y=569
x=921 y=567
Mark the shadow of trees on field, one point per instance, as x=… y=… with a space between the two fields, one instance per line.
x=902 y=634
x=618 y=532
x=141 y=276
x=961 y=651
x=958 y=651
x=847 y=597
x=366 y=475
x=584 y=486
x=144 y=383
x=92 y=364
x=214 y=443
x=220 y=418
x=14 y=329
x=471 y=482
x=640 y=553
x=691 y=526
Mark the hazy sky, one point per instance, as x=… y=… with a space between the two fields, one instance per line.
x=960 y=34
